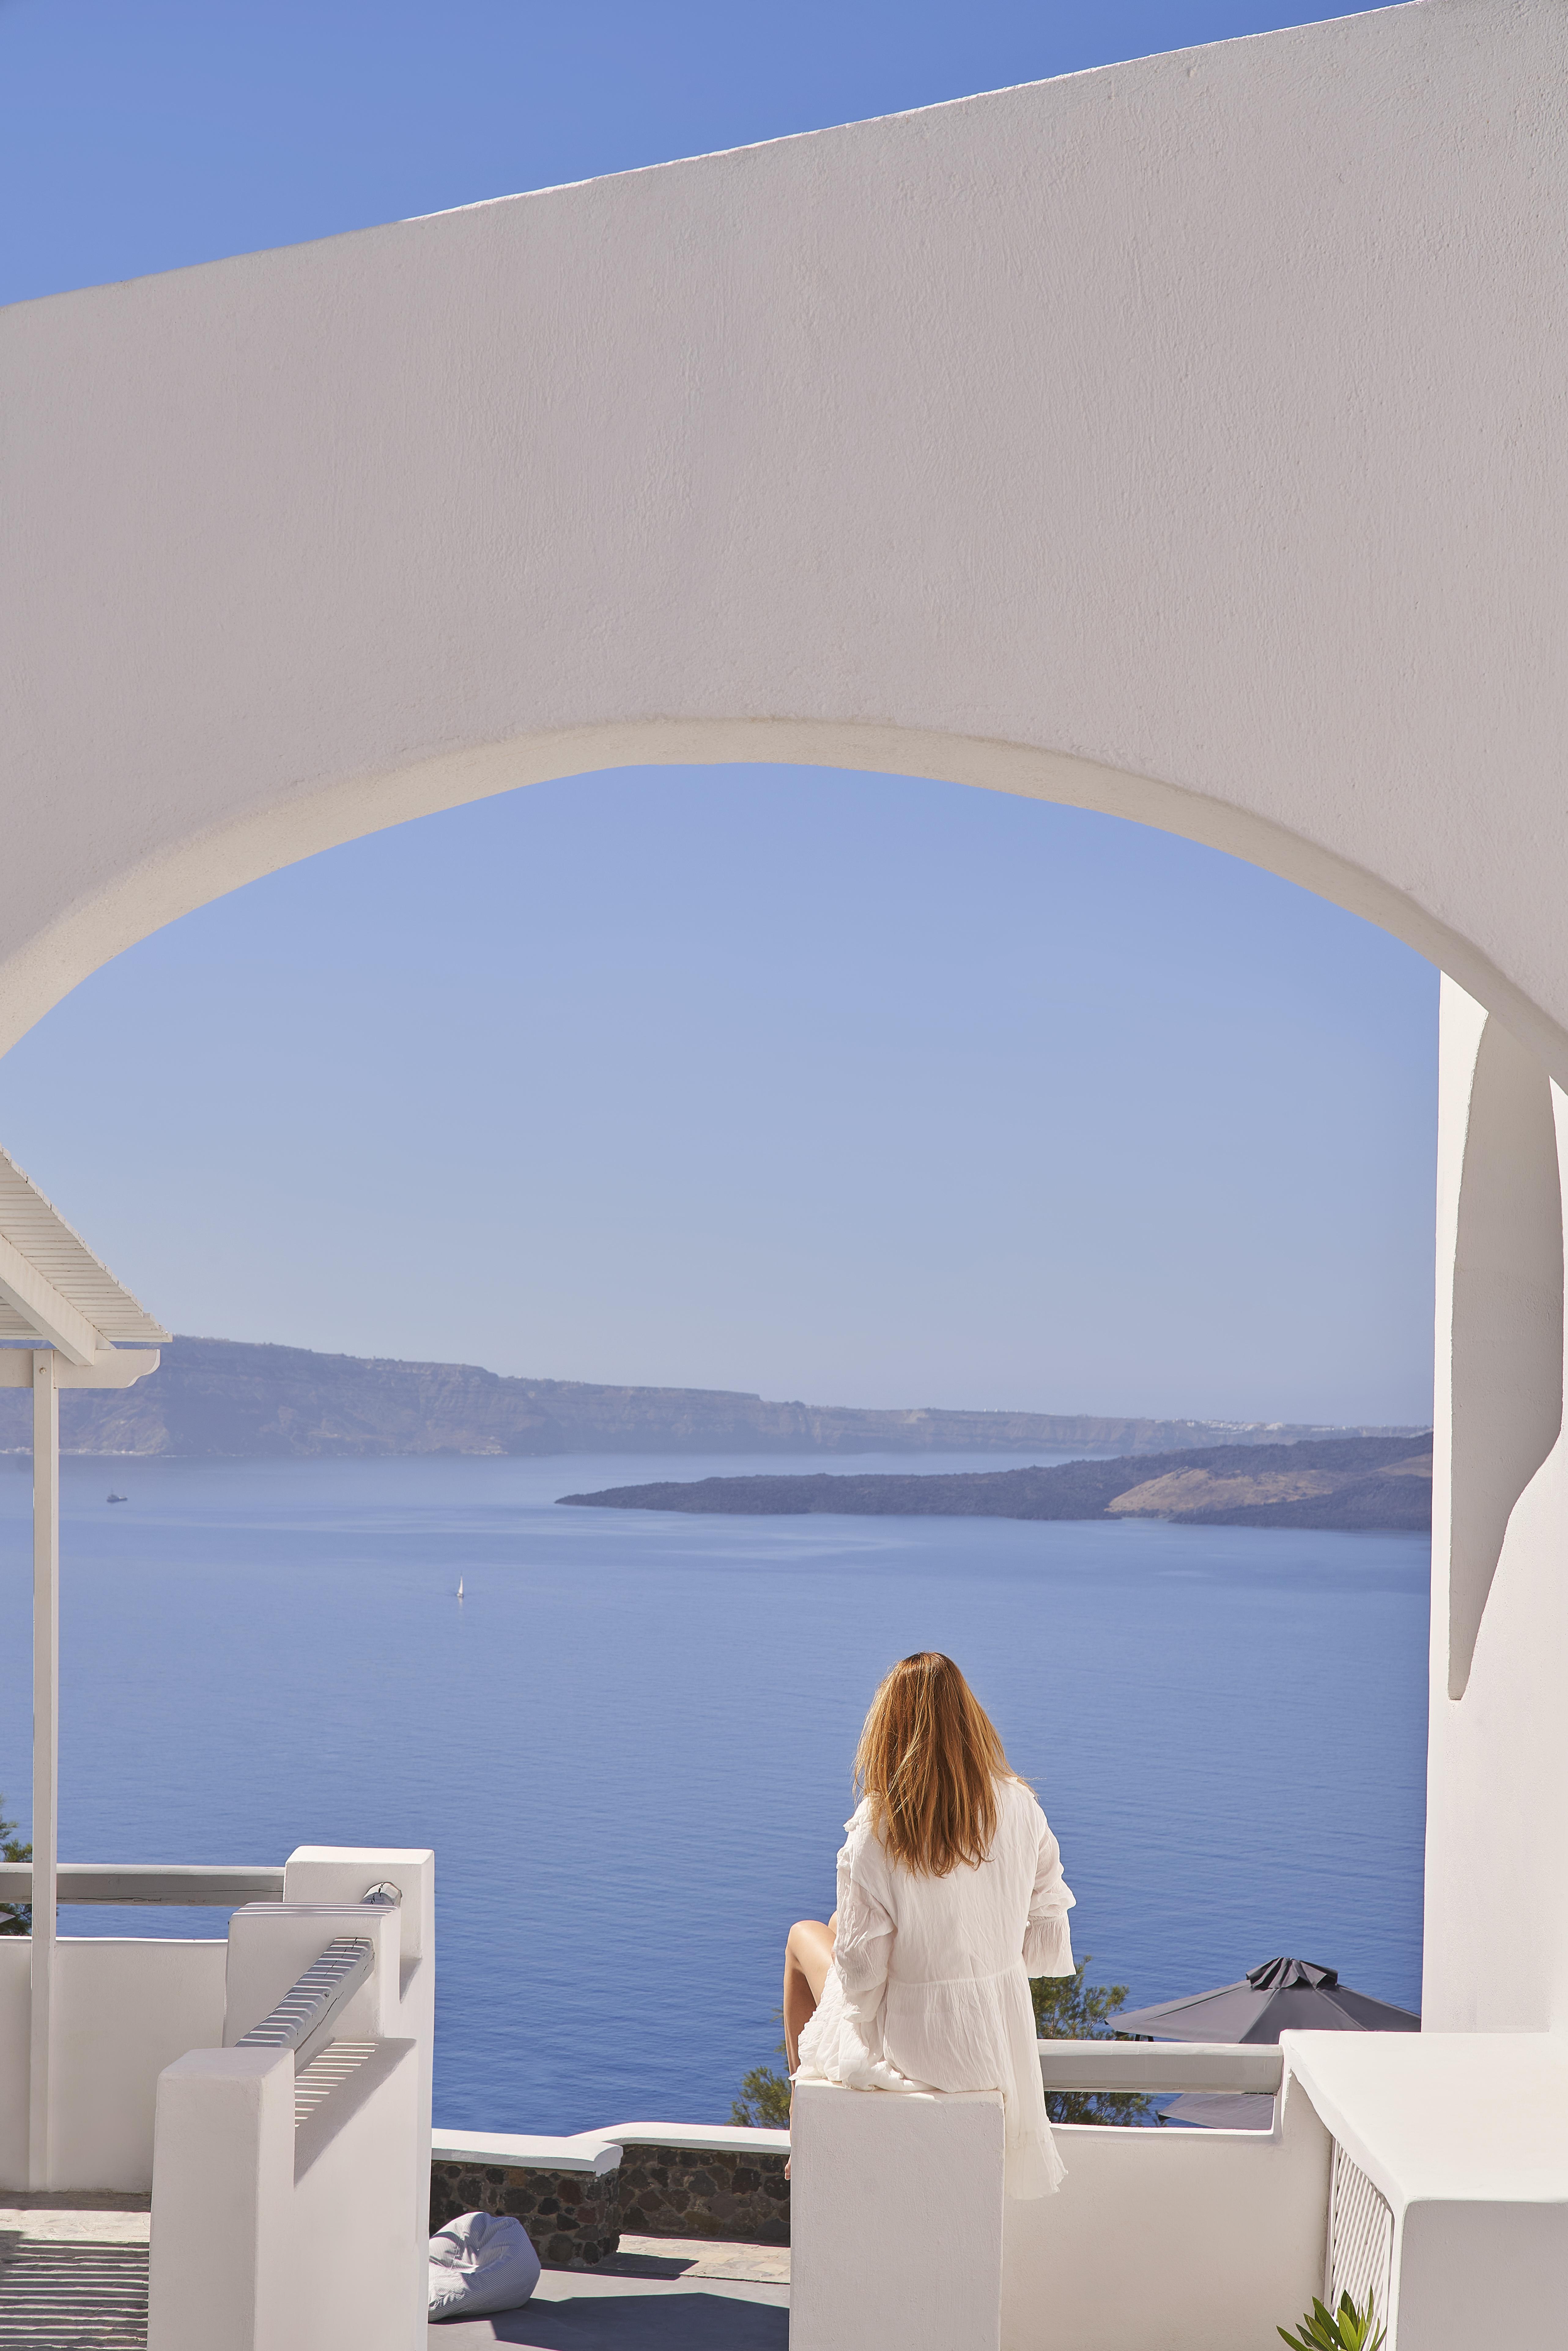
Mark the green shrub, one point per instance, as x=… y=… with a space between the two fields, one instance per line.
x=763 y=2100
x=16 y=1918
x=1068 y=2009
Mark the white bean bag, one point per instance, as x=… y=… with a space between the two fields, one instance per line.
x=480 y=2264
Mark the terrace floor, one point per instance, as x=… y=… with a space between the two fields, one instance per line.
x=73 y=2277
x=658 y=2293
x=73 y=2273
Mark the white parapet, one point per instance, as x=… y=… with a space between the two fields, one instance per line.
x=125 y=2007
x=1186 y=2239
x=896 y=2221
x=290 y=2183
x=222 y=2190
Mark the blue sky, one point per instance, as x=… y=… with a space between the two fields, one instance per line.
x=848 y=1087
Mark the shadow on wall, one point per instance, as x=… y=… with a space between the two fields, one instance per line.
x=1507 y=1321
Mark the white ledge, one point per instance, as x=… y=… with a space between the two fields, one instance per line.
x=1160 y=2065
x=711 y=2139
x=1455 y=2119
x=599 y=2150
x=527 y=2151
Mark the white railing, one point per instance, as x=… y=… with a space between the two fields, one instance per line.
x=1158 y=2067
x=291 y=2165
x=1360 y=2237
x=131 y=1884
x=125 y=2006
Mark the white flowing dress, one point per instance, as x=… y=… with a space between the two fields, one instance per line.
x=929 y=1985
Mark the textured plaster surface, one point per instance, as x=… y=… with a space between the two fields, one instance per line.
x=1187 y=438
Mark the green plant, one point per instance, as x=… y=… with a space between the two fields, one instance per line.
x=1344 y=2329
x=764 y=2099
x=16 y=1918
x=1068 y=2009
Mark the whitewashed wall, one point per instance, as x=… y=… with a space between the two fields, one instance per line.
x=283 y=2233
x=128 y=2006
x=1188 y=438
x=1192 y=2240
x=125 y=2007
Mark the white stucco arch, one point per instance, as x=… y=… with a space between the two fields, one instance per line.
x=1182 y=439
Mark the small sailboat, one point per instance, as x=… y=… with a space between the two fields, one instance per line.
x=460 y=1587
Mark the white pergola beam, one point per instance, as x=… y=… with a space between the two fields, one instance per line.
x=57 y=1323
x=111 y=1367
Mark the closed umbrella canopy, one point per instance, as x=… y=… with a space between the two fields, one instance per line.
x=1281 y=1996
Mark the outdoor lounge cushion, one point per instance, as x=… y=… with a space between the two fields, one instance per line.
x=479 y=2263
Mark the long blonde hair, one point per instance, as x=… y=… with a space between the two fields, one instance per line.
x=929 y=1759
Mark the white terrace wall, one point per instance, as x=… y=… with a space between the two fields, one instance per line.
x=1187 y=439
x=125 y=2007
x=905 y=2240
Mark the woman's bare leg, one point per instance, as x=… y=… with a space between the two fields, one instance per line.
x=808 y=1956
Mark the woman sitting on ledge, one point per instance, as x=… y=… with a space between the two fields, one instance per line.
x=951 y=1897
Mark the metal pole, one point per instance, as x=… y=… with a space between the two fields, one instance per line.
x=46 y=1755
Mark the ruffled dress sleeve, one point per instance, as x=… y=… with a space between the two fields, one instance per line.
x=843 y=2040
x=1048 y=1939
x=863 y=1944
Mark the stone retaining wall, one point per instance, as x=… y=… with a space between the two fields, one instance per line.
x=572 y=2217
x=575 y=2217
x=682 y=2191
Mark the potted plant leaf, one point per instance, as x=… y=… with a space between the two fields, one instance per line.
x=1344 y=2329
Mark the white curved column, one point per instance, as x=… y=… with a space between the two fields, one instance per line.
x=1497 y=1840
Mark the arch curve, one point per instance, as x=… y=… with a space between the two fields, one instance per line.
x=1076 y=440
x=193 y=874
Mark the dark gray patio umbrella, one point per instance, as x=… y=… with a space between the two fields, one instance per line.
x=1281 y=1996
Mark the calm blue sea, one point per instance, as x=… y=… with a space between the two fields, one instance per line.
x=630 y=1745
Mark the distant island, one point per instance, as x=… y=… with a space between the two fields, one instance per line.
x=1343 y=1484
x=224 y=1399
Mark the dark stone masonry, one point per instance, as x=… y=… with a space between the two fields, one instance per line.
x=575 y=2217
x=679 y=2191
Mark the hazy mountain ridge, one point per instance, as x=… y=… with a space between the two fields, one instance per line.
x=227 y=1399
x=1348 y=1483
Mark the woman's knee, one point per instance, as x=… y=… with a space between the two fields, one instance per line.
x=805 y=1936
